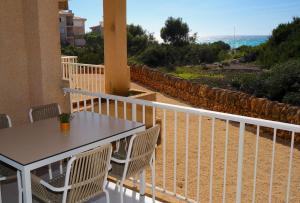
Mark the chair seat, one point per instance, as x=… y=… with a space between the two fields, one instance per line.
x=121 y=155
x=116 y=170
x=7 y=173
x=43 y=193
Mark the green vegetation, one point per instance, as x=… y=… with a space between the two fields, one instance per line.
x=65 y=117
x=280 y=83
x=280 y=57
x=181 y=56
x=283 y=45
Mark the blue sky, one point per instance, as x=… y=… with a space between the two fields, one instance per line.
x=206 y=17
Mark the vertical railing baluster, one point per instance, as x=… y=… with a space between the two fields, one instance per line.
x=63 y=70
x=199 y=157
x=75 y=77
x=212 y=160
x=154 y=169
x=255 y=163
x=88 y=78
x=107 y=106
x=84 y=77
x=164 y=137
x=69 y=70
x=225 y=161
x=240 y=163
x=153 y=116
x=84 y=103
x=96 y=79
x=144 y=114
x=272 y=165
x=92 y=79
x=100 y=105
x=116 y=108
x=186 y=172
x=92 y=103
x=290 y=168
x=175 y=153
x=100 y=77
x=133 y=112
x=125 y=110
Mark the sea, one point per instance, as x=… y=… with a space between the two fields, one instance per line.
x=237 y=41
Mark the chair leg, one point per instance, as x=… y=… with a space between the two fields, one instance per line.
x=106 y=196
x=121 y=192
x=142 y=182
x=117 y=146
x=20 y=189
x=50 y=171
x=0 y=194
x=61 y=166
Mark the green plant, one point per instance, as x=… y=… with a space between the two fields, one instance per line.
x=283 y=45
x=65 y=117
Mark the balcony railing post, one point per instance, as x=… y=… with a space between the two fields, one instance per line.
x=240 y=163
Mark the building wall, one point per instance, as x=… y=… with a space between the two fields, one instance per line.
x=30 y=72
x=79 y=31
x=14 y=89
x=66 y=26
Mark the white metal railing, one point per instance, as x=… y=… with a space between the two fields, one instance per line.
x=208 y=156
x=81 y=76
x=66 y=67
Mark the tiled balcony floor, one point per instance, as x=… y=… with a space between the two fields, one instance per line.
x=9 y=195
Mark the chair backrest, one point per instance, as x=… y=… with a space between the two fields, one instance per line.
x=87 y=173
x=44 y=112
x=140 y=152
x=5 y=121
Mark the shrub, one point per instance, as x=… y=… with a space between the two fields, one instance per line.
x=153 y=56
x=283 y=45
x=292 y=98
x=249 y=83
x=283 y=79
x=281 y=83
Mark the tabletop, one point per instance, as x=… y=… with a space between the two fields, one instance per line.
x=40 y=140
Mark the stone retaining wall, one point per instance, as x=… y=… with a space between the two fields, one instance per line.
x=215 y=99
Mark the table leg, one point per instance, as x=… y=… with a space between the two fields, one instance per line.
x=143 y=183
x=26 y=183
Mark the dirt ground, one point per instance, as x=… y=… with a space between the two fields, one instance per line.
x=282 y=152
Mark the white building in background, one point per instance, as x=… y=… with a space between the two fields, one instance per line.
x=72 y=28
x=79 y=30
x=97 y=28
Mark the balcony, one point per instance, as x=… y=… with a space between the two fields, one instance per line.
x=203 y=156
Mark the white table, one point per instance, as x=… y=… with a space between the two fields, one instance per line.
x=33 y=146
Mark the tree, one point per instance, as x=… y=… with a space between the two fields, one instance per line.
x=284 y=44
x=137 y=39
x=176 y=32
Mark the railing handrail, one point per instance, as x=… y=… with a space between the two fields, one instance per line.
x=68 y=57
x=82 y=64
x=218 y=115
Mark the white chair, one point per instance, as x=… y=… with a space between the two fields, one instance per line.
x=84 y=179
x=7 y=173
x=139 y=156
x=43 y=112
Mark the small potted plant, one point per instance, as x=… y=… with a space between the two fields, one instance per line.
x=65 y=119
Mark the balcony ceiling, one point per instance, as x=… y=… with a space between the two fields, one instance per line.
x=63 y=5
